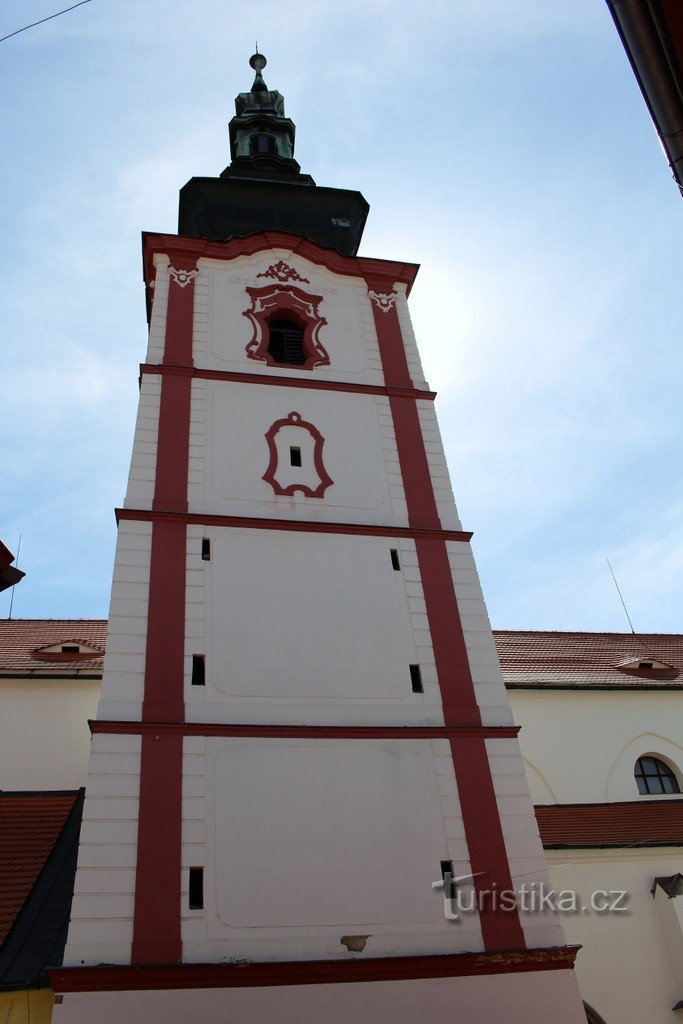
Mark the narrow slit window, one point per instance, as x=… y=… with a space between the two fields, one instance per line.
x=206 y=549
x=395 y=561
x=196 y=894
x=198 y=670
x=416 y=679
x=448 y=875
x=295 y=456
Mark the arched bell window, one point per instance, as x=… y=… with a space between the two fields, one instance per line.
x=655 y=776
x=286 y=342
x=262 y=145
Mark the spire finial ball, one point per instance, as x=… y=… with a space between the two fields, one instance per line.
x=258 y=62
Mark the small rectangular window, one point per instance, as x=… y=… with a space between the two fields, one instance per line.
x=295 y=456
x=448 y=876
x=206 y=549
x=196 y=893
x=416 y=679
x=198 y=671
x=70 y=649
x=395 y=560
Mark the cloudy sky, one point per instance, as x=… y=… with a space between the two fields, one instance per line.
x=502 y=144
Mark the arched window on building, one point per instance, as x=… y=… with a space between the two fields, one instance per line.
x=655 y=776
x=286 y=342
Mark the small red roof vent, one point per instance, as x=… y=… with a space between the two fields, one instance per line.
x=646 y=664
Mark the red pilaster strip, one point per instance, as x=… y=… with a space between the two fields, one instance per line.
x=164 y=665
x=156 y=927
x=180 y=313
x=391 y=349
x=417 y=481
x=156 y=931
x=500 y=929
x=173 y=444
x=455 y=679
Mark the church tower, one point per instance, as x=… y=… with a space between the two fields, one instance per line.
x=305 y=799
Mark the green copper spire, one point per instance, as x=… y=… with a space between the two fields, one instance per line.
x=263 y=189
x=261 y=137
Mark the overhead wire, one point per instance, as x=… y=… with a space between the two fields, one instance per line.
x=42 y=20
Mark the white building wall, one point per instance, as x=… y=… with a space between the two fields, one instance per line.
x=591 y=757
x=44 y=735
x=330 y=639
x=101 y=928
x=302 y=851
x=124 y=661
x=229 y=454
x=222 y=333
x=623 y=969
x=140 y=491
x=535 y=998
x=157 y=323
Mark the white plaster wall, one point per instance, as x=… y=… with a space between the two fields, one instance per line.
x=310 y=840
x=221 y=333
x=44 y=735
x=101 y=927
x=229 y=454
x=142 y=474
x=438 y=469
x=623 y=969
x=522 y=842
x=670 y=916
x=124 y=662
x=487 y=677
x=585 y=744
x=409 y=340
x=157 y=323
x=329 y=638
x=534 y=998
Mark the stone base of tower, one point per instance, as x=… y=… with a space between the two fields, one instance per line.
x=495 y=988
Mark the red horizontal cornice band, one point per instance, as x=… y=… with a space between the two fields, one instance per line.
x=388 y=271
x=297 y=525
x=351 y=732
x=312 y=972
x=286 y=382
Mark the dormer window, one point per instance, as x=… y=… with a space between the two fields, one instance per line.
x=286 y=342
x=654 y=776
x=68 y=650
x=647 y=665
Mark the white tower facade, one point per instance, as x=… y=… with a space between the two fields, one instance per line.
x=303 y=726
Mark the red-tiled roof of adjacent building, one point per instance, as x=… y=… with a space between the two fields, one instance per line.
x=537 y=659
x=30 y=824
x=635 y=823
x=21 y=639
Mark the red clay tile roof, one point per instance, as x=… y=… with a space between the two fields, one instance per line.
x=535 y=658
x=634 y=823
x=20 y=638
x=30 y=824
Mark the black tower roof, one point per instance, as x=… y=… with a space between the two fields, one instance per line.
x=263 y=188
